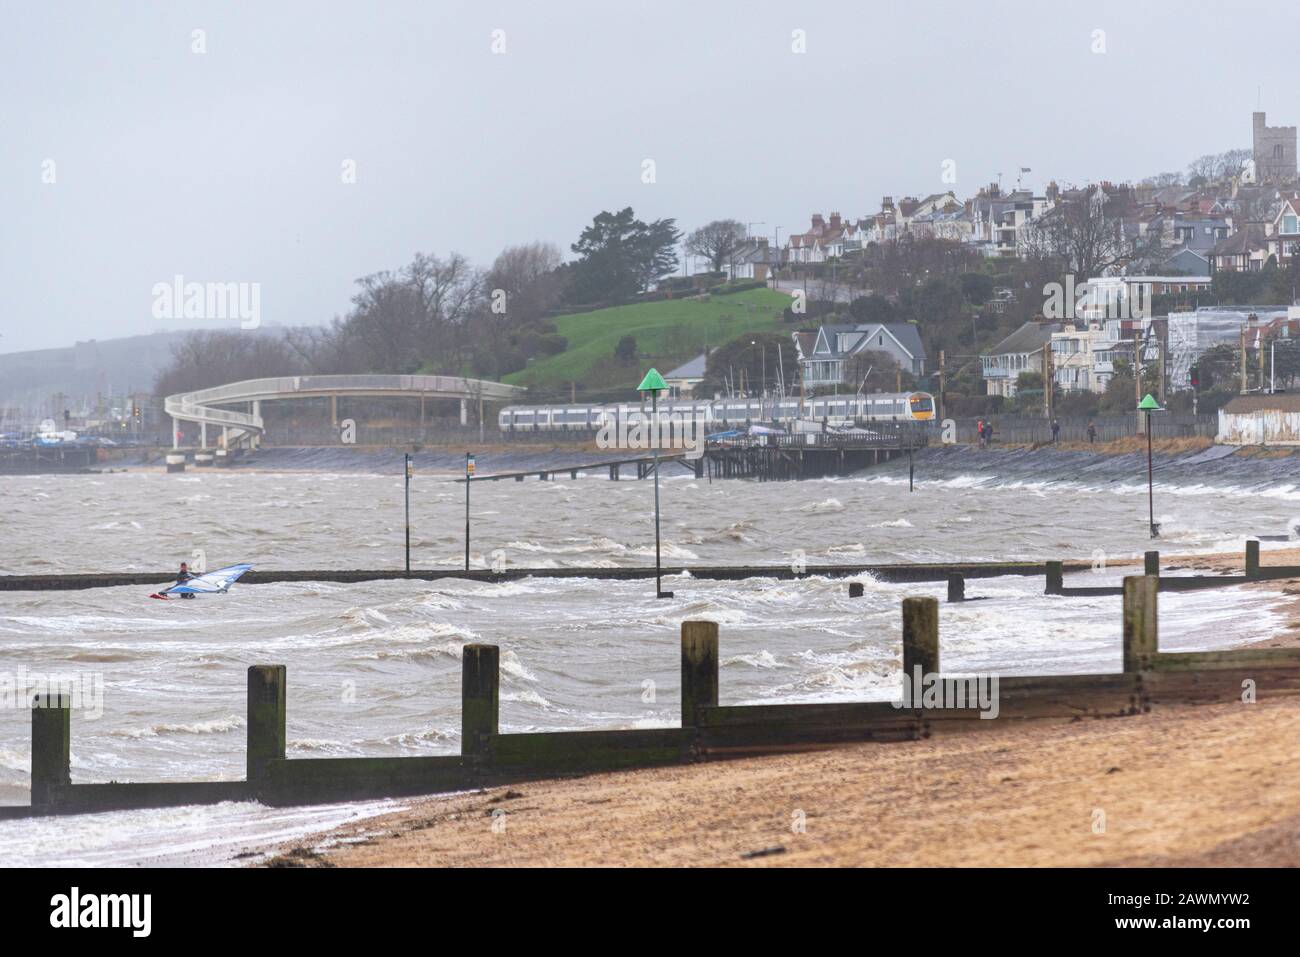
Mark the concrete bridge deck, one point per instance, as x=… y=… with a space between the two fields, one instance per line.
x=201 y=406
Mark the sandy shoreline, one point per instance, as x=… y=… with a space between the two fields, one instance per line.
x=1169 y=785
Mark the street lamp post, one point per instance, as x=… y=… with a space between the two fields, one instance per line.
x=654 y=384
x=1149 y=405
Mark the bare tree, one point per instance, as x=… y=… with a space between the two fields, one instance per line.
x=205 y=359
x=717 y=241
x=1086 y=233
x=524 y=282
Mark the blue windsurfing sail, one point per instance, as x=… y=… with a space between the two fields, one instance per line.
x=211 y=583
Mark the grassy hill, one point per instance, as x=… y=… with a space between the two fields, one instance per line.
x=667 y=334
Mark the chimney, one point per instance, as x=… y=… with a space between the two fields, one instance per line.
x=817 y=221
x=835 y=220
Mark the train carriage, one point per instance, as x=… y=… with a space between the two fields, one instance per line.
x=725 y=413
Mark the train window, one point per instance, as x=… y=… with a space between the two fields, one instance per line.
x=922 y=403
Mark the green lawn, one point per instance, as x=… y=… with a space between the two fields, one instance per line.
x=667 y=334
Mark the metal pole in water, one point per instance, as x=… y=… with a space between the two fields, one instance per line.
x=1151 y=502
x=654 y=438
x=408 y=513
x=654 y=383
x=1149 y=405
x=469 y=477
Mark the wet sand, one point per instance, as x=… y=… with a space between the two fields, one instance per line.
x=1213 y=786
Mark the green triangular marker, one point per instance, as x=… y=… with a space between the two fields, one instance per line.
x=653 y=382
x=1149 y=405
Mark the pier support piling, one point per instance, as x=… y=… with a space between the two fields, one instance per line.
x=920 y=636
x=956 y=587
x=1151 y=563
x=1252 y=558
x=51 y=747
x=480 y=698
x=266 y=718
x=1141 y=641
x=855 y=589
x=699 y=668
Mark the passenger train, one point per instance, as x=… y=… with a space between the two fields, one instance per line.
x=726 y=413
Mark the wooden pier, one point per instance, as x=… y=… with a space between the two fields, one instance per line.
x=767 y=458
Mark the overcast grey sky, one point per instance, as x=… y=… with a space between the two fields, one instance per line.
x=226 y=165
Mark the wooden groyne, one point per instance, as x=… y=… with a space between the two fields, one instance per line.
x=1149 y=678
x=955 y=573
x=910 y=572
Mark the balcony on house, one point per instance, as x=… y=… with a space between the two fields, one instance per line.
x=823 y=372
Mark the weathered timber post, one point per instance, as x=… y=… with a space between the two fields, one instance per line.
x=266 y=716
x=1055 y=579
x=1151 y=563
x=699 y=669
x=480 y=698
x=855 y=589
x=51 y=747
x=1252 y=558
x=1141 y=641
x=956 y=587
x=920 y=636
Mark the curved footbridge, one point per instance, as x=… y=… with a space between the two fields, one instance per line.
x=205 y=406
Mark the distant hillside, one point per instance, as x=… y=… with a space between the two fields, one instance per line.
x=117 y=366
x=667 y=333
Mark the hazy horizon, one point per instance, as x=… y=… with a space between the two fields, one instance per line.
x=226 y=165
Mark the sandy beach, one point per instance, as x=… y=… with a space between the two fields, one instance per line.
x=1159 y=789
x=1170 y=785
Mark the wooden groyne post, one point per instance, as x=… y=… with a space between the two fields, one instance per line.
x=956 y=587
x=1252 y=558
x=267 y=702
x=1141 y=641
x=920 y=636
x=855 y=589
x=1151 y=563
x=51 y=747
x=1055 y=579
x=480 y=698
x=699 y=669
